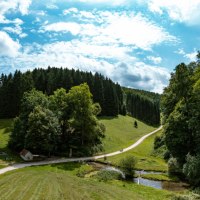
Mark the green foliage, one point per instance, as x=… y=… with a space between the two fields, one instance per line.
x=181 y=114
x=43 y=131
x=135 y=124
x=159 y=141
x=174 y=167
x=127 y=165
x=59 y=124
x=191 y=169
x=83 y=170
x=143 y=105
x=107 y=175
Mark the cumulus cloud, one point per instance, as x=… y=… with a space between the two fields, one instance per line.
x=192 y=56
x=142 y=76
x=8 y=47
x=155 y=60
x=120 y=27
x=16 y=5
x=70 y=10
x=113 y=62
x=180 y=10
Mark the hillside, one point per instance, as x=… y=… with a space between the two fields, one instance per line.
x=109 y=95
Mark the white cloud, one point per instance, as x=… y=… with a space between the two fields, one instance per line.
x=186 y=11
x=8 y=47
x=15 y=5
x=111 y=61
x=16 y=30
x=70 y=10
x=155 y=60
x=192 y=56
x=71 y=27
x=52 y=6
x=121 y=27
x=142 y=76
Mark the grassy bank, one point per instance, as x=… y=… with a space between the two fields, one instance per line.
x=60 y=182
x=120 y=132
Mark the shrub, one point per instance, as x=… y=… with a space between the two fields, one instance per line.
x=191 y=169
x=83 y=170
x=106 y=175
x=174 y=167
x=127 y=166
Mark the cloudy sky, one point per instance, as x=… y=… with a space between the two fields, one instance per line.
x=136 y=43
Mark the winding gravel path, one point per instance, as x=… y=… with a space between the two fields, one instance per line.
x=63 y=160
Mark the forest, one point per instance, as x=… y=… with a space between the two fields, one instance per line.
x=180 y=105
x=112 y=98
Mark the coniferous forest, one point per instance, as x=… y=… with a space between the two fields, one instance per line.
x=112 y=98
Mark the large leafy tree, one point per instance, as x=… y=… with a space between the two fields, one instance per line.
x=58 y=123
x=43 y=131
x=87 y=130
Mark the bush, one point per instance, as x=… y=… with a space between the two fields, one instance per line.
x=83 y=170
x=191 y=169
x=127 y=166
x=174 y=167
x=106 y=175
x=158 y=142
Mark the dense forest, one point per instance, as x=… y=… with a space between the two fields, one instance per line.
x=112 y=98
x=180 y=105
x=143 y=105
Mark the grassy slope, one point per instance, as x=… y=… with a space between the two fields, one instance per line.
x=59 y=182
x=5 y=128
x=120 y=132
x=144 y=158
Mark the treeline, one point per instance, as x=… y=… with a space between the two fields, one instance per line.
x=143 y=105
x=181 y=111
x=109 y=95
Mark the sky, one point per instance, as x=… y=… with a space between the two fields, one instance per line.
x=136 y=43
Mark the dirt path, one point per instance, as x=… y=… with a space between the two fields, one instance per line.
x=63 y=160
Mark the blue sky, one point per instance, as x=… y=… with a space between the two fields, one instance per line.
x=136 y=43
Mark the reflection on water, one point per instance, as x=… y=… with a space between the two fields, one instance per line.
x=147 y=182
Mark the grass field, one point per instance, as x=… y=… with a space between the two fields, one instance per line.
x=60 y=182
x=143 y=154
x=120 y=132
x=5 y=129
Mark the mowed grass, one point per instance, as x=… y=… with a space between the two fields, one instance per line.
x=143 y=155
x=57 y=182
x=120 y=132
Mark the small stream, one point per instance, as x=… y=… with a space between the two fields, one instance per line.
x=167 y=185
x=147 y=182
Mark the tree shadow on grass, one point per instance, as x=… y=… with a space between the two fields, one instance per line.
x=107 y=117
x=71 y=166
